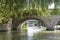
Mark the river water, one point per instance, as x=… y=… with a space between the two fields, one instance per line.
x=23 y=35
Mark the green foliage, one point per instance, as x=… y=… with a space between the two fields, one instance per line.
x=55 y=12
x=21 y=8
x=25 y=26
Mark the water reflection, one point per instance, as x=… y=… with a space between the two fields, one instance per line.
x=47 y=36
x=5 y=35
x=31 y=31
x=17 y=35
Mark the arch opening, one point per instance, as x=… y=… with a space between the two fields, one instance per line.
x=57 y=25
x=32 y=23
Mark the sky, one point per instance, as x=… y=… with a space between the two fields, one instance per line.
x=51 y=6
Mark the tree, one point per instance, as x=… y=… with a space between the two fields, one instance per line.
x=21 y=8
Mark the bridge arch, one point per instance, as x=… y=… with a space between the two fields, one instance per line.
x=57 y=20
x=33 y=18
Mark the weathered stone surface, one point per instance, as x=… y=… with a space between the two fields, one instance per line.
x=50 y=22
x=7 y=26
x=43 y=19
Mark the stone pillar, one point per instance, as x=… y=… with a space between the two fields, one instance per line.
x=50 y=28
x=9 y=24
x=15 y=23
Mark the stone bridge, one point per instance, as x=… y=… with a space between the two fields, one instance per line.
x=50 y=22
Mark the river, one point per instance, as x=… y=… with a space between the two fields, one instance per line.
x=23 y=35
